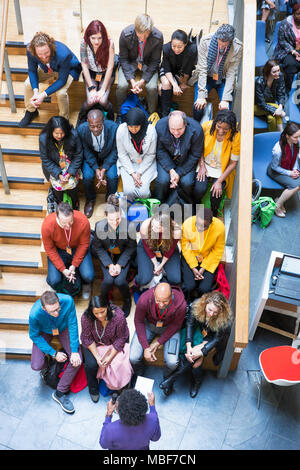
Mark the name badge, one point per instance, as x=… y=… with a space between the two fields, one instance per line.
x=69 y=250
x=55 y=332
x=158 y=254
x=140 y=65
x=159 y=324
x=204 y=333
x=98 y=77
x=215 y=76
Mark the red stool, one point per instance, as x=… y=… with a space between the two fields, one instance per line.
x=280 y=366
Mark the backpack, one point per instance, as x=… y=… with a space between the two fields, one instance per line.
x=133 y=101
x=262 y=211
x=51 y=375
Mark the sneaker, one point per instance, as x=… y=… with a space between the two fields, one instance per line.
x=28 y=118
x=64 y=402
x=95 y=397
x=86 y=291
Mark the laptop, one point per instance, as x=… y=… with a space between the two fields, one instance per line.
x=288 y=282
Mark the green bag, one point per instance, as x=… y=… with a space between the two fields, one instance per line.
x=206 y=199
x=150 y=203
x=66 y=198
x=262 y=211
x=197 y=339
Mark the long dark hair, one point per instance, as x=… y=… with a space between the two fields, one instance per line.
x=99 y=302
x=180 y=35
x=102 y=53
x=290 y=129
x=54 y=123
x=228 y=117
x=268 y=67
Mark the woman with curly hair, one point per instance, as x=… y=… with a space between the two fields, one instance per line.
x=135 y=428
x=208 y=325
x=61 y=155
x=221 y=155
x=97 y=55
x=104 y=336
x=157 y=251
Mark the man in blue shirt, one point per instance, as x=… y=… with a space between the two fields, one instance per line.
x=55 y=315
x=53 y=63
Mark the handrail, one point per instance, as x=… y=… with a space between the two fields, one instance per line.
x=3 y=38
x=245 y=177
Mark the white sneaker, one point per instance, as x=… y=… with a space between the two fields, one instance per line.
x=86 y=291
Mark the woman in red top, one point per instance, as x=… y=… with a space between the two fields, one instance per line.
x=157 y=251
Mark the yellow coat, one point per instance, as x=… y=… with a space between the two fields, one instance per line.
x=227 y=149
x=206 y=248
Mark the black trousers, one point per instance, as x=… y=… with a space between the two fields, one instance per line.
x=290 y=66
x=189 y=282
x=200 y=189
x=91 y=368
x=119 y=281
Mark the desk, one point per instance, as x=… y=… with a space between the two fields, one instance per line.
x=274 y=303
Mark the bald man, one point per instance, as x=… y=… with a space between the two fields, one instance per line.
x=160 y=312
x=98 y=137
x=179 y=149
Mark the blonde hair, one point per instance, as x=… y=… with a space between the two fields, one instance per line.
x=220 y=321
x=143 y=23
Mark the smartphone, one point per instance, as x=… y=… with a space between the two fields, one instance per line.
x=172 y=346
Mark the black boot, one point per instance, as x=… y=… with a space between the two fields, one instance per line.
x=166 y=100
x=197 y=377
x=127 y=306
x=28 y=118
x=167 y=384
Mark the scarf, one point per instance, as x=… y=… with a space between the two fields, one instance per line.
x=288 y=157
x=137 y=117
x=212 y=56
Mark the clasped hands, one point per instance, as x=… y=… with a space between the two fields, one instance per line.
x=192 y=354
x=38 y=98
x=70 y=273
x=101 y=181
x=137 y=86
x=198 y=273
x=137 y=179
x=114 y=269
x=149 y=353
x=75 y=360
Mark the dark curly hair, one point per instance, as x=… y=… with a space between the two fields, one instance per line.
x=132 y=407
x=228 y=117
x=98 y=302
x=58 y=122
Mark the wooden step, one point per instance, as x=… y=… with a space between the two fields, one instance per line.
x=11 y=127
x=15 y=48
x=17 y=258
x=9 y=122
x=26 y=142
x=22 y=286
x=15 y=344
x=26 y=176
x=21 y=155
x=18 y=74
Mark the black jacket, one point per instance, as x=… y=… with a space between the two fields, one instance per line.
x=213 y=338
x=50 y=157
x=264 y=94
x=182 y=63
x=105 y=237
x=191 y=147
x=128 y=53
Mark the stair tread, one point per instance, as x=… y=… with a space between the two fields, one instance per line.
x=16 y=339
x=24 y=197
x=15 y=310
x=27 y=170
x=21 y=224
x=43 y=117
x=29 y=142
x=24 y=282
x=14 y=252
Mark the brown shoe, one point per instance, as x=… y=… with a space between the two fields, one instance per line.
x=89 y=208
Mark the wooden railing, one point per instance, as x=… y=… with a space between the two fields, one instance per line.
x=3 y=37
x=239 y=236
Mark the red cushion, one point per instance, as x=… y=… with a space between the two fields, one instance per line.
x=281 y=363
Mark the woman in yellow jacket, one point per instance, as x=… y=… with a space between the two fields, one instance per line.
x=221 y=155
x=202 y=247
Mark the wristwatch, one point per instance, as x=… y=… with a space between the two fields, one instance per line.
x=91 y=88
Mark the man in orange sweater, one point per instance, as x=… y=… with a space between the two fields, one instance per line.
x=66 y=239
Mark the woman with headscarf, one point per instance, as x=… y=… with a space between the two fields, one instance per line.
x=287 y=50
x=219 y=56
x=136 y=145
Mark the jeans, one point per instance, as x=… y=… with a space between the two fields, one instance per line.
x=210 y=84
x=89 y=177
x=137 y=352
x=162 y=189
x=145 y=267
x=86 y=268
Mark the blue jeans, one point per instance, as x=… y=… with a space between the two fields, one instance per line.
x=162 y=186
x=89 y=177
x=210 y=84
x=86 y=268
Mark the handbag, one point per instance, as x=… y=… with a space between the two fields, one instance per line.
x=221 y=281
x=263 y=210
x=52 y=373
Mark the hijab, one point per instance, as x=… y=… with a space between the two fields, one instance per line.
x=137 y=117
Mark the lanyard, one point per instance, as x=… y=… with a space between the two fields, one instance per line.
x=219 y=61
x=217 y=150
x=100 y=337
x=61 y=150
x=114 y=244
x=136 y=147
x=158 y=312
x=68 y=238
x=176 y=143
x=141 y=50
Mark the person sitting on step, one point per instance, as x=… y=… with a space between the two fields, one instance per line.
x=53 y=63
x=98 y=138
x=208 y=324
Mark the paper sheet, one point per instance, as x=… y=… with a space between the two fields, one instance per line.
x=144 y=385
